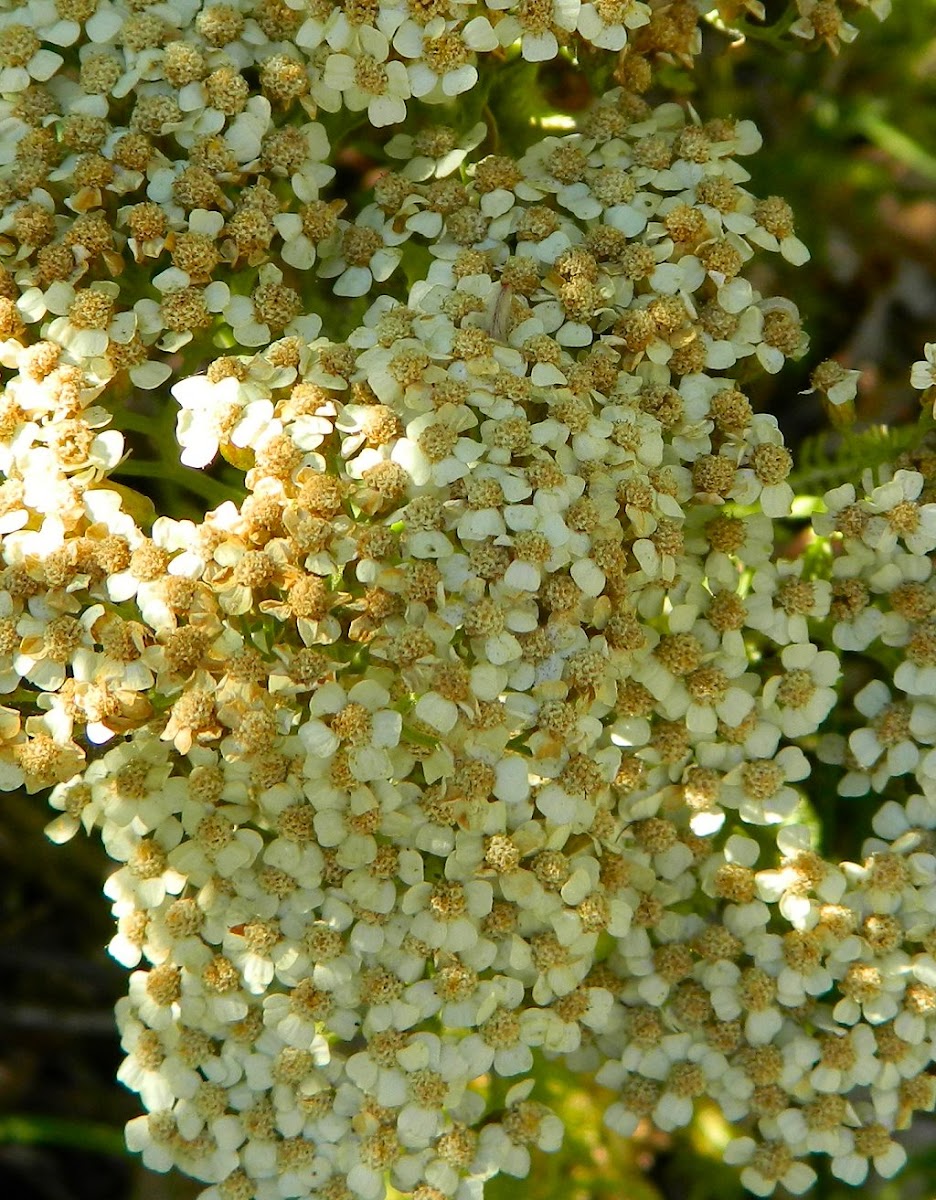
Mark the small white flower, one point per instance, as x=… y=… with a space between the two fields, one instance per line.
x=771 y=1163
x=923 y=373
x=869 y=1143
x=801 y=698
x=538 y=43
x=25 y=58
x=607 y=25
x=368 y=81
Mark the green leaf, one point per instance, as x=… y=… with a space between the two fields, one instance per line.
x=93 y=1136
x=830 y=458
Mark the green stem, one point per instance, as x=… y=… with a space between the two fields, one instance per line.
x=487 y=115
x=195 y=481
x=895 y=143
x=21 y=696
x=29 y=1130
x=832 y=463
x=420 y=739
x=135 y=422
x=770 y=35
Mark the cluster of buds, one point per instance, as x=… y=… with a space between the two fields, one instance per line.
x=477 y=730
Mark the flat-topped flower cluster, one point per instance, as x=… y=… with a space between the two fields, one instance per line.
x=479 y=729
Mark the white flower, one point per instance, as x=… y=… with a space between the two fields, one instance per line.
x=805 y=28
x=923 y=373
x=369 y=252
x=840 y=386
x=147 y=878
x=506 y=1144
x=441 y=61
x=801 y=698
x=213 y=844
x=44 y=16
x=870 y=1142
x=764 y=477
x=362 y=718
x=781 y=601
x=777 y=955
x=50 y=643
x=537 y=41
x=25 y=58
x=758 y=787
x=207 y=410
x=606 y=25
x=894 y=731
x=301 y=249
x=316 y=172
x=446 y=915
x=770 y=1163
x=436 y=152
x=368 y=80
x=245 y=313
x=895 y=514
x=785 y=884
x=842 y=1067
x=158 y=1086
x=905 y=824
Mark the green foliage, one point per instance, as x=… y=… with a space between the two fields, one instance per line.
x=829 y=458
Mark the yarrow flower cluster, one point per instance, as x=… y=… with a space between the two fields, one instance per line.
x=476 y=730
